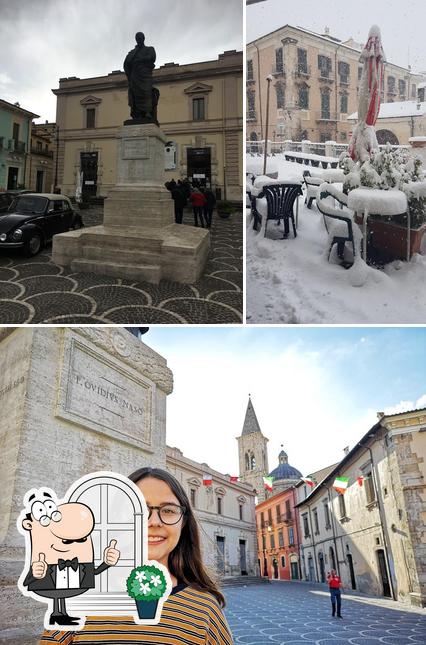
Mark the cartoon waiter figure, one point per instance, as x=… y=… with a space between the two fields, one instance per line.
x=62 y=560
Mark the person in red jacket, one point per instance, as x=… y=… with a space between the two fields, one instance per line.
x=198 y=200
x=335 y=585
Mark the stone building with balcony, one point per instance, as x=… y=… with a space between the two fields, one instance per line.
x=15 y=145
x=225 y=512
x=41 y=170
x=315 y=86
x=200 y=111
x=373 y=534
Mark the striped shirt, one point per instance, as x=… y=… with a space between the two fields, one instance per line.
x=189 y=617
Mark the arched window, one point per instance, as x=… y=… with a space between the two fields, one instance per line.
x=386 y=136
x=252 y=462
x=118 y=515
x=247 y=458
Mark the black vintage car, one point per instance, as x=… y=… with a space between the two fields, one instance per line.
x=34 y=218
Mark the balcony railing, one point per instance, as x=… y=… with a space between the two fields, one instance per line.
x=278 y=70
x=303 y=70
x=325 y=76
x=16 y=146
x=251 y=115
x=44 y=153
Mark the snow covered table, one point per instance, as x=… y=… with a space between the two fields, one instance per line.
x=373 y=201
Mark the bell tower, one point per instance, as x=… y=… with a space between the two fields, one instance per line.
x=252 y=450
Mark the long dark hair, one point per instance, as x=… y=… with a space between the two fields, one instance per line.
x=185 y=561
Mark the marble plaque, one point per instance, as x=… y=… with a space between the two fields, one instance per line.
x=135 y=148
x=102 y=394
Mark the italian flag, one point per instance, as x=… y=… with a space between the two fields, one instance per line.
x=233 y=478
x=207 y=479
x=309 y=481
x=341 y=484
x=267 y=482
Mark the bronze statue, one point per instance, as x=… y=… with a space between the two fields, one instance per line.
x=143 y=97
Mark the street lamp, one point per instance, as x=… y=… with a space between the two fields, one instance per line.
x=269 y=79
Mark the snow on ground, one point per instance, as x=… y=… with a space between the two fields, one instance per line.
x=291 y=281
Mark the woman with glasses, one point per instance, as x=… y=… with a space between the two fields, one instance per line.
x=192 y=613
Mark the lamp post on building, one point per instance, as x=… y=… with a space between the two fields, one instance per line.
x=265 y=151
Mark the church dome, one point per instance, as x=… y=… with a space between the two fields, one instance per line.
x=284 y=470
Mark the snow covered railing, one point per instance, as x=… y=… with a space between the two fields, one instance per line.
x=329 y=148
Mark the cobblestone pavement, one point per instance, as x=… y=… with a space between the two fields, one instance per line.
x=34 y=290
x=297 y=612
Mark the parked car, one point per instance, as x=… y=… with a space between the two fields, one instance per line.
x=34 y=218
x=7 y=198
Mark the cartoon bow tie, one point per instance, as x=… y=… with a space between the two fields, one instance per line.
x=68 y=563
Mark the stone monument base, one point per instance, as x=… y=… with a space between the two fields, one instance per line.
x=175 y=252
x=138 y=239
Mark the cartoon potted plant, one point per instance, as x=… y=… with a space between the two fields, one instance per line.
x=146 y=584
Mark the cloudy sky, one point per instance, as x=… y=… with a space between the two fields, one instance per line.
x=314 y=390
x=401 y=23
x=44 y=40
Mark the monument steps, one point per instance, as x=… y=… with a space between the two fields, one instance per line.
x=123 y=256
x=141 y=272
x=121 y=238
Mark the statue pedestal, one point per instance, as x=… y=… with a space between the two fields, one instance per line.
x=138 y=239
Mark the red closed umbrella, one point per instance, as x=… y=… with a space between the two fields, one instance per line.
x=373 y=58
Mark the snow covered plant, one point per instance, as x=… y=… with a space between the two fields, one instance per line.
x=146 y=582
x=386 y=169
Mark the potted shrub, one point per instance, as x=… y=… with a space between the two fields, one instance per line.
x=224 y=209
x=146 y=585
x=387 y=169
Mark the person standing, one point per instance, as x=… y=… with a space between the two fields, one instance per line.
x=179 y=199
x=209 y=206
x=335 y=586
x=198 y=200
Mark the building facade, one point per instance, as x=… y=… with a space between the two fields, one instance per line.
x=314 y=87
x=373 y=534
x=41 y=170
x=15 y=145
x=200 y=111
x=226 y=514
x=278 y=536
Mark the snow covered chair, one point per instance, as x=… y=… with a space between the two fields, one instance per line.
x=280 y=199
x=312 y=184
x=338 y=222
